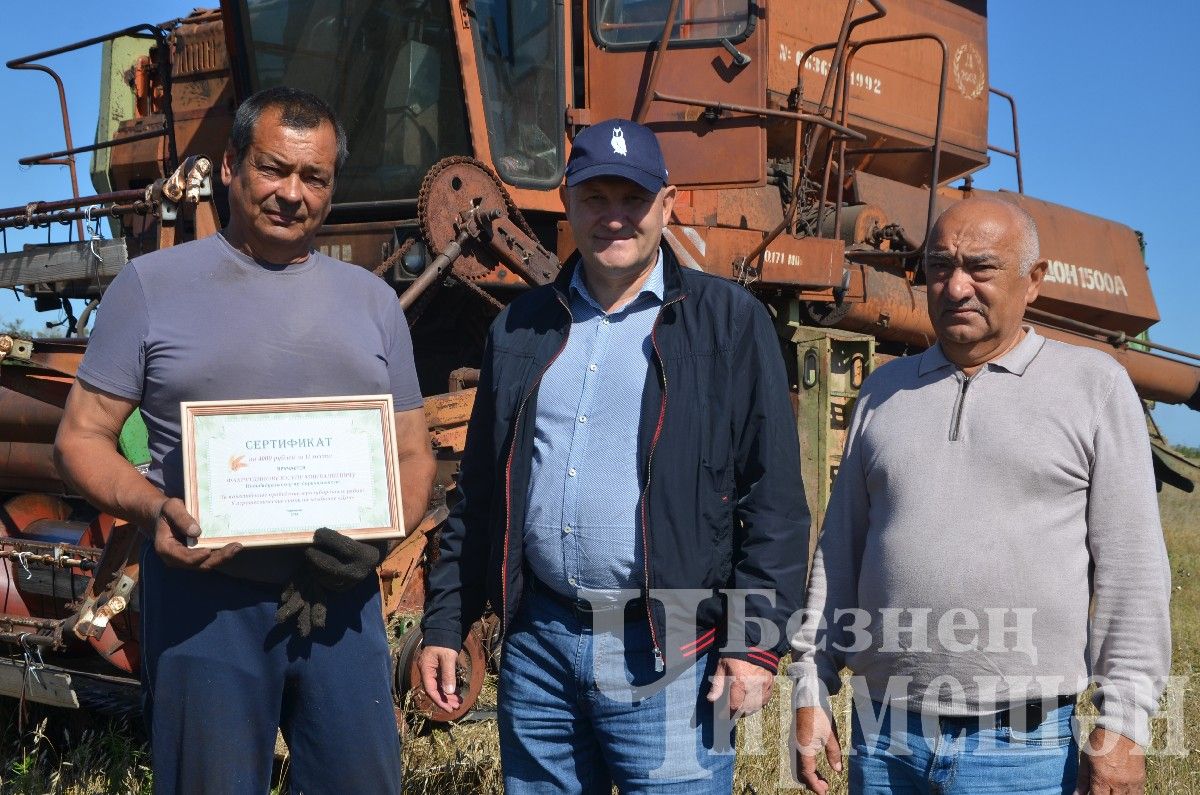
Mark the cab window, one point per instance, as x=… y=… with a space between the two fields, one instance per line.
x=626 y=23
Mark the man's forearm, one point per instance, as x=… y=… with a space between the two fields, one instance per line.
x=87 y=457
x=416 y=482
x=96 y=471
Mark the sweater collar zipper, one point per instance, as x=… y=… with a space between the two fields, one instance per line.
x=959 y=402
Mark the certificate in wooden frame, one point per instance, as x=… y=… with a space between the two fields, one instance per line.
x=270 y=472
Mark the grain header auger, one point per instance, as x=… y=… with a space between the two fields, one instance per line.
x=812 y=143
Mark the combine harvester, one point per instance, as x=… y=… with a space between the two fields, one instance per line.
x=813 y=144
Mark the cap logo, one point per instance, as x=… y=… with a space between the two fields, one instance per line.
x=618 y=142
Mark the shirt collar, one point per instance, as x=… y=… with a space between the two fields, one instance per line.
x=653 y=286
x=1015 y=361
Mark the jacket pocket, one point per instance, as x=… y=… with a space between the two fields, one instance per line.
x=717 y=515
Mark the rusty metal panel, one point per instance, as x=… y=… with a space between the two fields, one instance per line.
x=1096 y=274
x=902 y=204
x=26 y=419
x=749 y=208
x=893 y=87
x=451 y=408
x=728 y=151
x=814 y=263
x=447 y=416
x=363 y=244
x=28 y=466
x=452 y=438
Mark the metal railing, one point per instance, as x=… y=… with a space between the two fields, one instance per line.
x=834 y=105
x=1015 y=152
x=162 y=54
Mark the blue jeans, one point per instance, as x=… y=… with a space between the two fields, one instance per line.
x=581 y=710
x=914 y=753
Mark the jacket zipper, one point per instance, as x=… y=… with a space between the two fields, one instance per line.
x=958 y=410
x=659 y=662
x=512 y=449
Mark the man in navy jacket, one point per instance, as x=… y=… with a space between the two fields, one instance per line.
x=631 y=502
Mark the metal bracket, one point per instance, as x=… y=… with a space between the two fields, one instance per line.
x=188 y=184
x=740 y=59
x=92 y=622
x=578 y=117
x=839 y=292
x=15 y=348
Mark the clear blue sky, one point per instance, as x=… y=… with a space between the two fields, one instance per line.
x=1107 y=93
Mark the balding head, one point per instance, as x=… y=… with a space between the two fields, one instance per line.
x=1024 y=230
x=982 y=270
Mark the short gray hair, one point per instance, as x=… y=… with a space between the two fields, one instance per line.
x=1028 y=246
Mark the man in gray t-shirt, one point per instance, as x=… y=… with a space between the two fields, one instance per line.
x=252 y=312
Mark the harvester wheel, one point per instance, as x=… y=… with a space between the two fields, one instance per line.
x=472 y=664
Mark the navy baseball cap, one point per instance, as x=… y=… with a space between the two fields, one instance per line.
x=617 y=148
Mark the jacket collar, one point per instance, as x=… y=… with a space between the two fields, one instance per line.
x=672 y=274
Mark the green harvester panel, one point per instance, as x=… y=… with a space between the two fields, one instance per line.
x=134 y=441
x=830 y=366
x=116 y=105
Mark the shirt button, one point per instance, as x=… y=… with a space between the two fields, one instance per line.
x=605 y=321
x=567 y=529
x=571 y=471
x=583 y=418
x=572 y=581
x=592 y=367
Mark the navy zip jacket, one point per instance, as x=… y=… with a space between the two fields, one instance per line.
x=723 y=507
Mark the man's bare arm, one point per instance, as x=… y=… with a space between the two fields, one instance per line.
x=417 y=465
x=90 y=462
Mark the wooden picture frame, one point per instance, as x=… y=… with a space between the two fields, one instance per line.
x=270 y=472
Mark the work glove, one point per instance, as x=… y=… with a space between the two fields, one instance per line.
x=304 y=600
x=333 y=563
x=339 y=563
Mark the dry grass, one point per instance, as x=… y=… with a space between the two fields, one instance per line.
x=463 y=758
x=1177 y=772
x=71 y=754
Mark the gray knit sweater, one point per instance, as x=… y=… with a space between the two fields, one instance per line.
x=965 y=519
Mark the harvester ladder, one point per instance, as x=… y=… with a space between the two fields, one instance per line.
x=835 y=101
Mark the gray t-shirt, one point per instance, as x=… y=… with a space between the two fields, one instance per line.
x=203 y=321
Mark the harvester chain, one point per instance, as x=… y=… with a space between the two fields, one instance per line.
x=395 y=258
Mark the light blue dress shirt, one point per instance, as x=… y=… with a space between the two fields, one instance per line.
x=582 y=529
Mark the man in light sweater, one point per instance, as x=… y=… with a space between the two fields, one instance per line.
x=992 y=488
